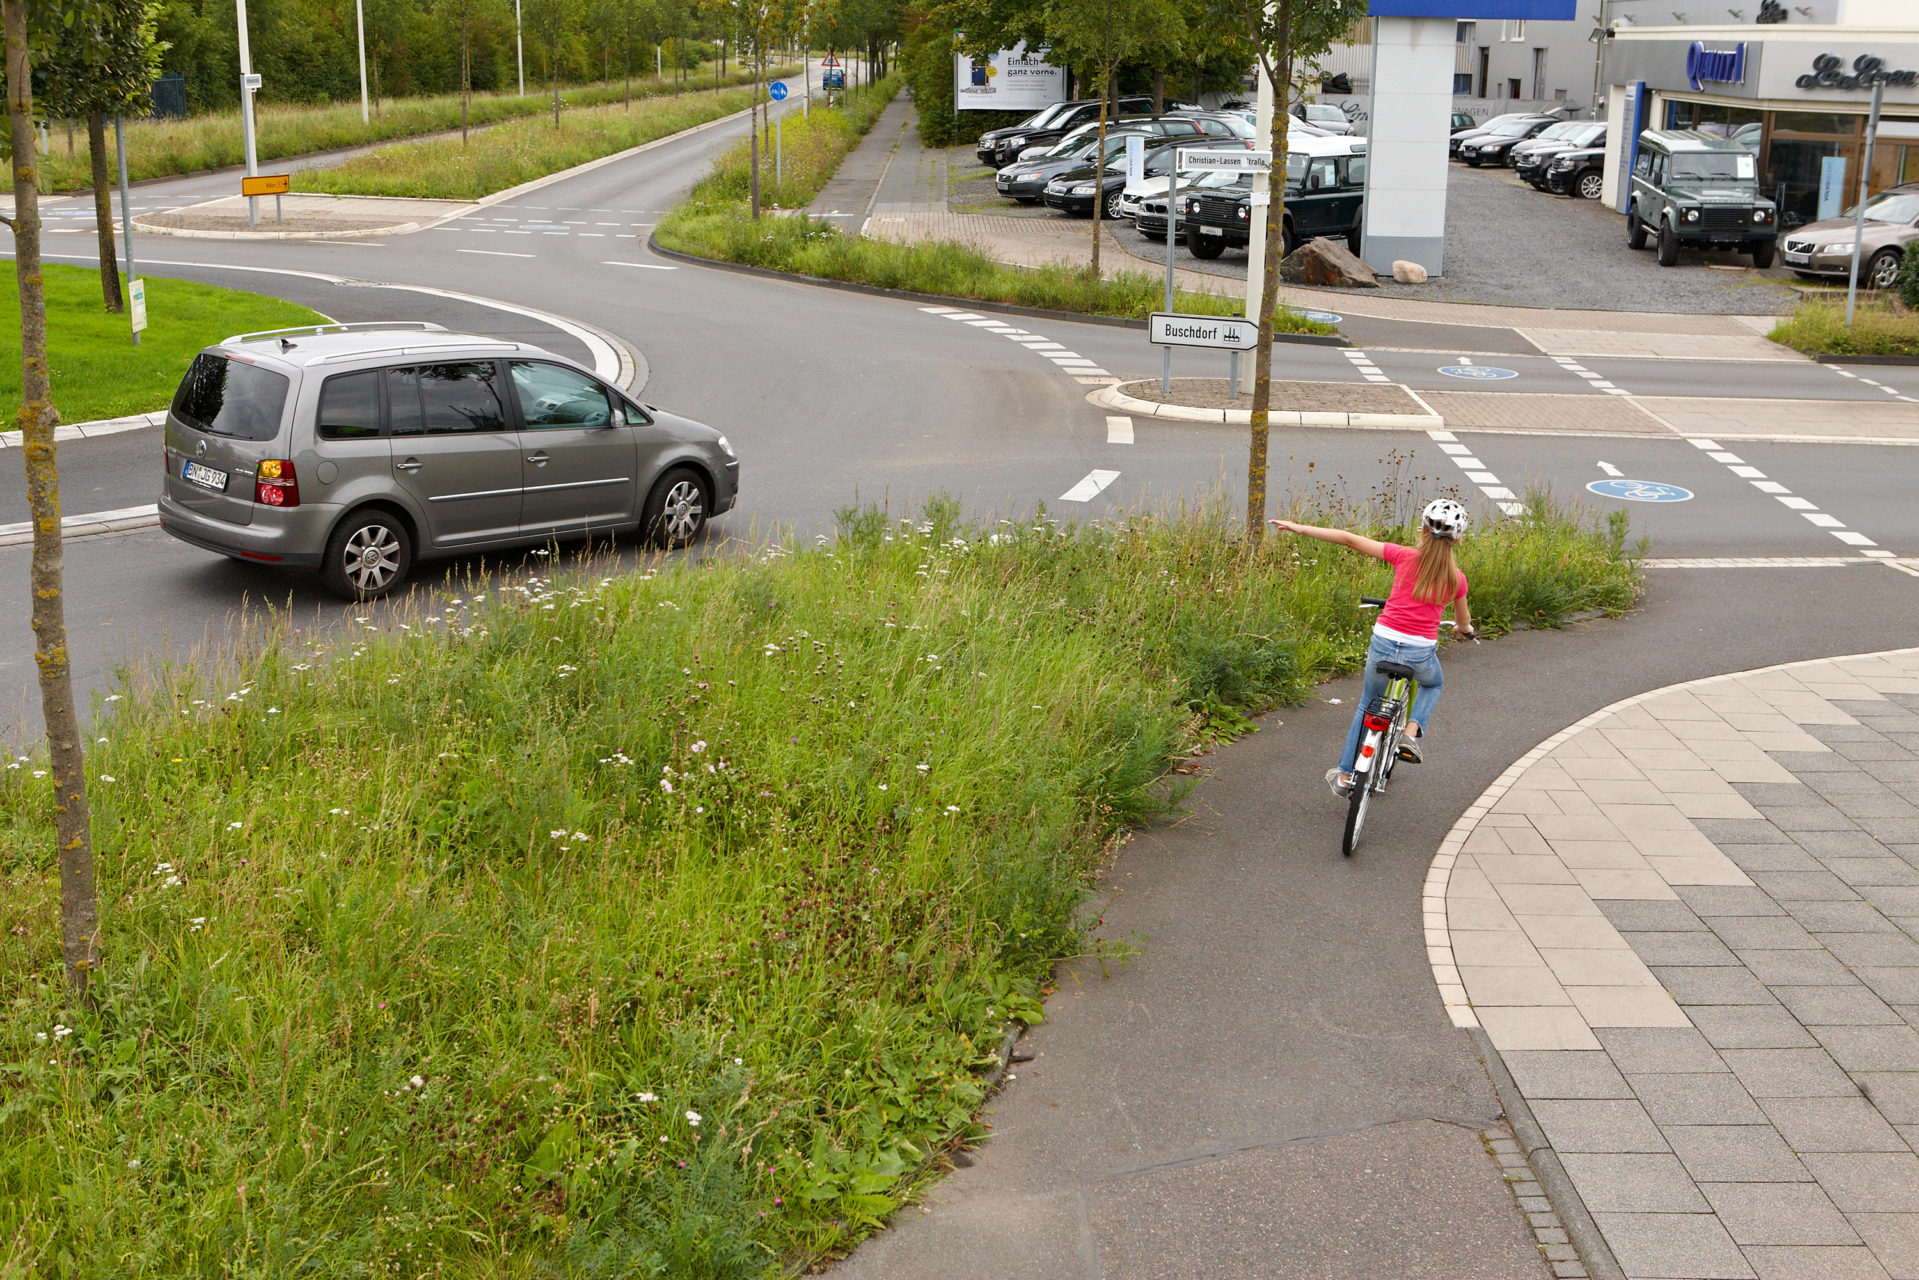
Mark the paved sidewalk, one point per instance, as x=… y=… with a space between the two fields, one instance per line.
x=1688 y=925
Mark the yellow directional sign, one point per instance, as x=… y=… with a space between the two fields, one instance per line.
x=267 y=184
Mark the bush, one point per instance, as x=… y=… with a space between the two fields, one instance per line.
x=1817 y=326
x=1908 y=285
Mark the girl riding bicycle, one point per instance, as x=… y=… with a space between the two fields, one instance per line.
x=1425 y=580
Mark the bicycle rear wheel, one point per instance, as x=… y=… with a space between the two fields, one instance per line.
x=1356 y=812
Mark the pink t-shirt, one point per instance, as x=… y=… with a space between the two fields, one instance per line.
x=1404 y=612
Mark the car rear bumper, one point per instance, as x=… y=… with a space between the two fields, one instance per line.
x=295 y=536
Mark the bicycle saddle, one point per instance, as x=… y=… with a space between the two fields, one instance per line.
x=1395 y=669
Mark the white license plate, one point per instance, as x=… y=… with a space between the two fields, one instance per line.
x=204 y=476
x=1212 y=231
x=1799 y=257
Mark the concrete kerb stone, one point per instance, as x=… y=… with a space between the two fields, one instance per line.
x=92 y=430
x=1110 y=397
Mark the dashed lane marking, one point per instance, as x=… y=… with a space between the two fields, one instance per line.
x=494 y=253
x=1070 y=362
x=1364 y=366
x=1119 y=430
x=1477 y=473
x=1868 y=549
x=1894 y=392
x=1089 y=488
x=642 y=266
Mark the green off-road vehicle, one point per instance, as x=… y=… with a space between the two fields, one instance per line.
x=1694 y=189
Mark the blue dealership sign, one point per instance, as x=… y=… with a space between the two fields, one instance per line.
x=1640 y=491
x=1541 y=10
x=1716 y=66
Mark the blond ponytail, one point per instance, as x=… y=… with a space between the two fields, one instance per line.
x=1437 y=579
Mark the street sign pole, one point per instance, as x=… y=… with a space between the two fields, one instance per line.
x=126 y=208
x=1172 y=239
x=248 y=83
x=1865 y=186
x=359 y=22
x=1256 y=246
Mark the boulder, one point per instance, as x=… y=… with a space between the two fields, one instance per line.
x=1409 y=272
x=1328 y=263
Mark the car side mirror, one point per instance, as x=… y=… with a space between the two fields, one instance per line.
x=617 y=418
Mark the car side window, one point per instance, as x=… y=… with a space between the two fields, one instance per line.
x=1642 y=167
x=552 y=395
x=1356 y=172
x=445 y=399
x=1323 y=174
x=350 y=406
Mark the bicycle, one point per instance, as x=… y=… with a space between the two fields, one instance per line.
x=1385 y=722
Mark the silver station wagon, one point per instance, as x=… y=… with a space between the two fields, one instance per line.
x=360 y=449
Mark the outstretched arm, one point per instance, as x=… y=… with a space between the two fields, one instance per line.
x=1339 y=537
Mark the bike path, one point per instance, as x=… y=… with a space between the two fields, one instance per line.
x=1273 y=1087
x=1688 y=925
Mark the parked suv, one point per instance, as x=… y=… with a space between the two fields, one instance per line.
x=1532 y=158
x=1009 y=143
x=1690 y=188
x=358 y=449
x=1580 y=174
x=1325 y=192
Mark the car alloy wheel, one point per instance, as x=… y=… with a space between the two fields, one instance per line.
x=1591 y=185
x=1115 y=211
x=368 y=555
x=684 y=512
x=371 y=559
x=1883 y=271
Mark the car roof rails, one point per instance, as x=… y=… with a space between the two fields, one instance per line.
x=315 y=330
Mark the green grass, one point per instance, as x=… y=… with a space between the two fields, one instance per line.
x=1818 y=327
x=715 y=222
x=163 y=148
x=519 y=151
x=97 y=371
x=420 y=946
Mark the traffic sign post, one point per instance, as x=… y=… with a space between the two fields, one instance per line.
x=777 y=91
x=1208 y=160
x=137 y=307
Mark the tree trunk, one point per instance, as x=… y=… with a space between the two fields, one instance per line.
x=466 y=76
x=1269 y=290
x=103 y=212
x=553 y=73
x=629 y=56
x=753 y=147
x=1159 y=93
x=1099 y=179
x=79 y=906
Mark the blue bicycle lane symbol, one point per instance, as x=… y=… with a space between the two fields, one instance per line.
x=1478 y=372
x=1640 y=491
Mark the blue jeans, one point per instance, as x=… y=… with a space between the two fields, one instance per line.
x=1423 y=659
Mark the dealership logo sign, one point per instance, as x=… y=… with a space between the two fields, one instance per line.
x=1828 y=72
x=1719 y=66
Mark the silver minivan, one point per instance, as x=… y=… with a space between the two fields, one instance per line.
x=359 y=449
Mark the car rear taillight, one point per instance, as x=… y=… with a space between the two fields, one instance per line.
x=1378 y=724
x=275 y=485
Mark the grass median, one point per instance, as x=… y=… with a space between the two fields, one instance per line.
x=97 y=371
x=715 y=222
x=1817 y=326
x=644 y=925
x=519 y=151
x=165 y=148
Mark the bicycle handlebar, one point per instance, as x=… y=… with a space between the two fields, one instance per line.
x=1375 y=602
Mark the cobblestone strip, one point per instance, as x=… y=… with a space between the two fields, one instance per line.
x=1687 y=926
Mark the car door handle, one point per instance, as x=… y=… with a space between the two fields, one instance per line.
x=539 y=459
x=411 y=464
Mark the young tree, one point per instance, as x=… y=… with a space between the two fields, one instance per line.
x=100 y=65
x=1286 y=34
x=79 y=905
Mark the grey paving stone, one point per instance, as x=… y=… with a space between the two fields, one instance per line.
x=1804 y=886
x=1789 y=1073
x=1712 y=1097
x=1860 y=872
x=1735 y=1153
x=1794 y=968
x=1775 y=793
x=1773 y=933
x=1896 y=985
x=1809 y=764
x=1894 y=900
x=1867 y=1182
x=1770 y=857
x=1633 y=1183
x=1815 y=1262
x=1566 y=1073
x=1806 y=817
x=1840 y=844
x=1872 y=950
x=1860 y=805
x=1908 y=1012
x=1878 y=748
x=1871 y=1048
x=1710 y=900
x=1831 y=1124
x=1847 y=779
x=1902 y=774
x=1639 y=1050
x=1701 y=948
x=1892 y=830
x=1694 y=1245
x=1835 y=733
x=1894 y=1237
x=1894 y=1093
x=1778 y=1213
x=1629 y=914
x=1740 y=831
x=1709 y=984
x=1744 y=1026
x=1601 y=1126
x=1841 y=917
x=1850 y=1005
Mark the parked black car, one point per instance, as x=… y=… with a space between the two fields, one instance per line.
x=1530 y=158
x=1325 y=194
x=1072 y=192
x=1459 y=139
x=987 y=149
x=1492 y=146
x=1026 y=180
x=1463 y=122
x=1581 y=174
x=1007 y=144
x=1172 y=126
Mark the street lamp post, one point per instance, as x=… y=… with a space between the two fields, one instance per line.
x=248 y=83
x=519 y=47
x=359 y=21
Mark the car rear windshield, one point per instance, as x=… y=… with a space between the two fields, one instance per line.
x=225 y=397
x=1730 y=166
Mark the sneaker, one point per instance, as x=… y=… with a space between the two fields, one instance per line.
x=1343 y=790
x=1409 y=751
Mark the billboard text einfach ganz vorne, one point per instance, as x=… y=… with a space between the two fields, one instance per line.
x=1011 y=80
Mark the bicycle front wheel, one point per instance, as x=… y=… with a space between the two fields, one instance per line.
x=1356 y=812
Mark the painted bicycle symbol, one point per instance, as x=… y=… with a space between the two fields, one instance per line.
x=1477 y=372
x=1640 y=491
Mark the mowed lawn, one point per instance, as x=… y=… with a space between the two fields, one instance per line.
x=97 y=371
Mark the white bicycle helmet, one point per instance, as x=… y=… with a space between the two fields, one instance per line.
x=1445 y=518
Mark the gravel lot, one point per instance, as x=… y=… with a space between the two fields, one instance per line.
x=1505 y=244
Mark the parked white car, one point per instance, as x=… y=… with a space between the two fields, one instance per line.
x=1154 y=186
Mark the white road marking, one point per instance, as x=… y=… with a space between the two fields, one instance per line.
x=494 y=253
x=1811 y=513
x=1119 y=430
x=1476 y=472
x=643 y=266
x=1797 y=504
x=1610 y=469
x=1088 y=489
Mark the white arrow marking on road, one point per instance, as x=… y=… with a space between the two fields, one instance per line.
x=643 y=266
x=494 y=253
x=1465 y=359
x=1119 y=430
x=1610 y=469
x=1089 y=488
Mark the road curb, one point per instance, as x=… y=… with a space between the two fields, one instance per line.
x=1574 y=1217
x=85 y=526
x=951 y=300
x=1827 y=357
x=1110 y=397
x=92 y=430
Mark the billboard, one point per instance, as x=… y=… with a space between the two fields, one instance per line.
x=1011 y=80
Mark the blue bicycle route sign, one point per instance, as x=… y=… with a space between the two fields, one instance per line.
x=777 y=91
x=1477 y=372
x=1640 y=491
